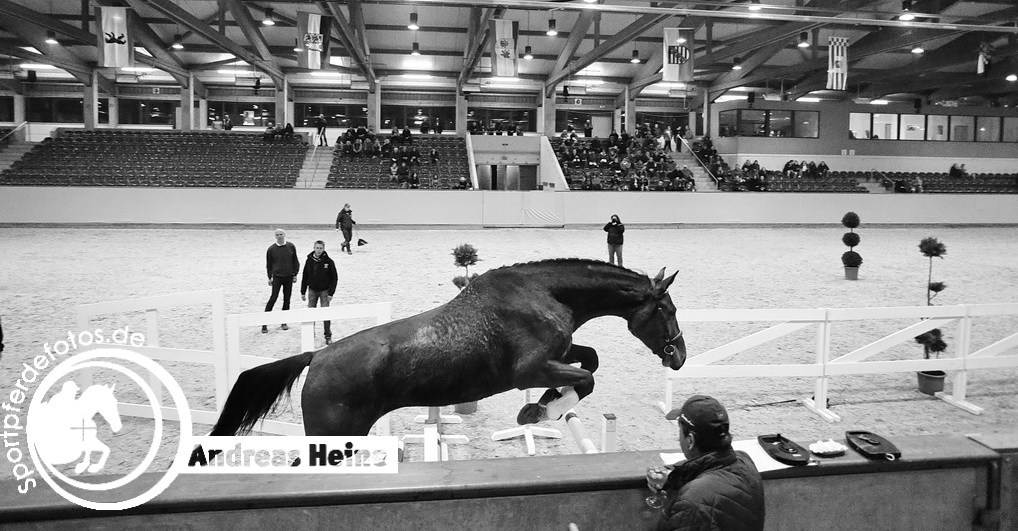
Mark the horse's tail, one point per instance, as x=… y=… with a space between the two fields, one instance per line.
x=256 y=392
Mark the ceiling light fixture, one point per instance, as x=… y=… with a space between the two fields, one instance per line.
x=906 y=14
x=803 y=40
x=1012 y=78
x=551 y=28
x=636 y=57
x=681 y=40
x=413 y=22
x=918 y=49
x=416 y=50
x=178 y=42
x=268 y=20
x=51 y=37
x=754 y=5
x=528 y=54
x=737 y=63
x=296 y=46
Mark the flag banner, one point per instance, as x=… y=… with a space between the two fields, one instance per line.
x=115 y=47
x=837 y=63
x=313 y=35
x=981 y=63
x=503 y=48
x=678 y=55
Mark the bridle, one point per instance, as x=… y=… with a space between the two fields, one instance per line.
x=669 y=348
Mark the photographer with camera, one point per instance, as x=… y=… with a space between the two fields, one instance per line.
x=615 y=228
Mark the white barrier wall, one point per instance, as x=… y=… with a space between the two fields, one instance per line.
x=414 y=208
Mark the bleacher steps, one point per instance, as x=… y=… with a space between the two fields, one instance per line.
x=704 y=183
x=13 y=153
x=315 y=171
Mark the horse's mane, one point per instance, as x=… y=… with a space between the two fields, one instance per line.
x=575 y=262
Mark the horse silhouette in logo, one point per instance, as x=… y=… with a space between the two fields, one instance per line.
x=66 y=429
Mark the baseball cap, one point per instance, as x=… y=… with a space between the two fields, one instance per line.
x=702 y=414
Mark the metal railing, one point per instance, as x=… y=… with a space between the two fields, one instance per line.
x=6 y=138
x=717 y=182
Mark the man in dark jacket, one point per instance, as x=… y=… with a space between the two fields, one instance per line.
x=319 y=282
x=282 y=265
x=615 y=228
x=345 y=223
x=716 y=487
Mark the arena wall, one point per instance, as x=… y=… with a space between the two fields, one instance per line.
x=192 y=206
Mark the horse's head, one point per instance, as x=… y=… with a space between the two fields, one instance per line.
x=100 y=399
x=654 y=323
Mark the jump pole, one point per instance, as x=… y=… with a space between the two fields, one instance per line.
x=436 y=443
x=528 y=431
x=580 y=434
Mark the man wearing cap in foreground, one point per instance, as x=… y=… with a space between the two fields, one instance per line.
x=716 y=487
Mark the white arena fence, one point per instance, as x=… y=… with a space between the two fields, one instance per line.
x=225 y=357
x=830 y=364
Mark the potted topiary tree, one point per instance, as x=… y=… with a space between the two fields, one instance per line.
x=932 y=382
x=465 y=255
x=851 y=259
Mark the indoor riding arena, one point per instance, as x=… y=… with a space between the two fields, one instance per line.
x=137 y=207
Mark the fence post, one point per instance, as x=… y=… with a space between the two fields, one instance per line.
x=960 y=380
x=666 y=406
x=818 y=404
x=152 y=340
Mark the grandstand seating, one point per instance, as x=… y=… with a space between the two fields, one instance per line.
x=373 y=173
x=116 y=157
x=988 y=183
x=600 y=176
x=834 y=182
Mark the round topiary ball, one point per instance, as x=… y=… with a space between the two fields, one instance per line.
x=850 y=239
x=851 y=259
x=850 y=220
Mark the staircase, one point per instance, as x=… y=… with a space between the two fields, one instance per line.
x=315 y=171
x=704 y=182
x=13 y=153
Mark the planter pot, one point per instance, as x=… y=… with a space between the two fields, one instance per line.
x=466 y=408
x=931 y=382
x=851 y=273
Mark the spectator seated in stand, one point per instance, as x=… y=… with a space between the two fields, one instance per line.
x=822 y=170
x=463 y=184
x=271 y=132
x=958 y=171
x=406 y=136
x=287 y=133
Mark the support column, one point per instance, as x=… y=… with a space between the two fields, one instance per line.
x=187 y=105
x=617 y=119
x=202 y=122
x=90 y=100
x=630 y=113
x=375 y=108
x=113 y=110
x=461 y=113
x=692 y=120
x=549 y=116
x=282 y=116
x=19 y=108
x=706 y=117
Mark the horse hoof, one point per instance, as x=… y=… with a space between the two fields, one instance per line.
x=531 y=414
x=94 y=468
x=80 y=467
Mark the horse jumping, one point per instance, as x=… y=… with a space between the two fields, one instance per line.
x=510 y=328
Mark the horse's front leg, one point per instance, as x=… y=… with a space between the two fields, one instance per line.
x=105 y=454
x=555 y=374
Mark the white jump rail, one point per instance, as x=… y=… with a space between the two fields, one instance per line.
x=853 y=362
x=527 y=431
x=151 y=306
x=307 y=317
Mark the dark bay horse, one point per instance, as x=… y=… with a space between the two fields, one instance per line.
x=510 y=328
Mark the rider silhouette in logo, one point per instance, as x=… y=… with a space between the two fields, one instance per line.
x=66 y=430
x=113 y=39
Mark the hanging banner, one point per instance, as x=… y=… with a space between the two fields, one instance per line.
x=678 y=55
x=503 y=48
x=115 y=47
x=837 y=63
x=313 y=35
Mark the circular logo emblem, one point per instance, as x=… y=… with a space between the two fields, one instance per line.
x=683 y=54
x=62 y=429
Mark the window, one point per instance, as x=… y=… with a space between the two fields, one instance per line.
x=336 y=115
x=413 y=116
x=859 y=125
x=936 y=128
x=1010 y=129
x=988 y=129
x=807 y=124
x=779 y=124
x=885 y=126
x=728 y=123
x=752 y=123
x=525 y=120
x=963 y=128
x=913 y=127
x=59 y=110
x=6 y=109
x=147 y=112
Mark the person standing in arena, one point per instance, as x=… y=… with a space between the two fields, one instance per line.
x=282 y=266
x=319 y=282
x=345 y=223
x=716 y=487
x=615 y=228
x=320 y=126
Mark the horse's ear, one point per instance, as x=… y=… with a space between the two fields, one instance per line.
x=660 y=275
x=112 y=387
x=661 y=287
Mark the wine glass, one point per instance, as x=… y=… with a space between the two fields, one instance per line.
x=658 y=475
x=656 y=500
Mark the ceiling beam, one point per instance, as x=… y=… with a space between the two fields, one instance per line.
x=478 y=41
x=249 y=27
x=576 y=37
x=343 y=29
x=46 y=22
x=56 y=54
x=185 y=18
x=624 y=36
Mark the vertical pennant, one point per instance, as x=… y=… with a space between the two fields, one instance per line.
x=677 y=51
x=837 y=63
x=115 y=46
x=981 y=63
x=313 y=34
x=503 y=48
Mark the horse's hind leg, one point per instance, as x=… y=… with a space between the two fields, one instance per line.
x=558 y=401
x=587 y=358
